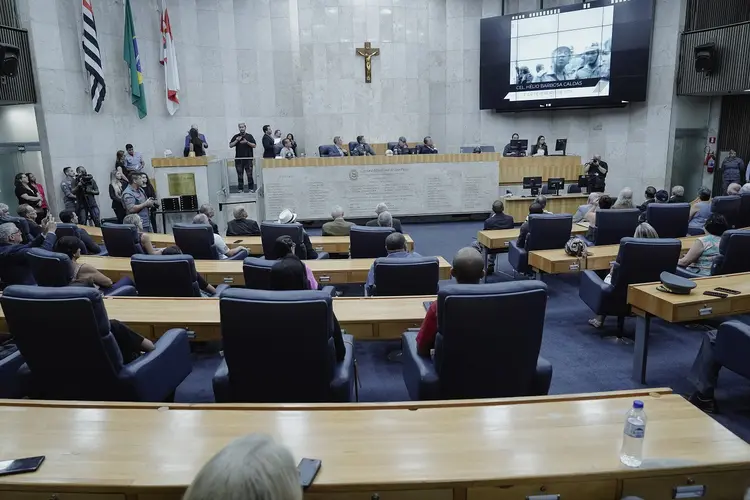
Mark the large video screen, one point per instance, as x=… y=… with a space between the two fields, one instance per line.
x=588 y=54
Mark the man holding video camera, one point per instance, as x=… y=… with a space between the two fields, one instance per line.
x=85 y=188
x=596 y=172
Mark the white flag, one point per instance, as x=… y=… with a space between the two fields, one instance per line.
x=169 y=61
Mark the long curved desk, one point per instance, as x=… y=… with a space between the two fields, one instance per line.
x=530 y=448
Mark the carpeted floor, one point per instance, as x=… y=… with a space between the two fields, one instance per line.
x=583 y=360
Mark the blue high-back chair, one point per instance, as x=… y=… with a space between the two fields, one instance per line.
x=198 y=240
x=166 y=276
x=66 y=229
x=121 y=240
x=70 y=352
x=744 y=217
x=546 y=231
x=270 y=231
x=728 y=206
x=286 y=357
x=325 y=150
x=614 y=225
x=669 y=219
x=411 y=276
x=368 y=242
x=257 y=273
x=506 y=320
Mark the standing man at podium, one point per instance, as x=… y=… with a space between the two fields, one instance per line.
x=243 y=157
x=269 y=145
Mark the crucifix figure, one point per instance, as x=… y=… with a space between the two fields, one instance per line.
x=367 y=52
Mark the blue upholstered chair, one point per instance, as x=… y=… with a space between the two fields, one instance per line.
x=391 y=145
x=728 y=206
x=638 y=261
x=52 y=269
x=65 y=229
x=368 y=242
x=324 y=150
x=270 y=231
x=546 y=232
x=352 y=146
x=669 y=219
x=734 y=255
x=286 y=354
x=412 y=276
x=732 y=348
x=167 y=276
x=121 y=240
x=487 y=344
x=198 y=240
x=257 y=273
x=71 y=354
x=574 y=188
x=9 y=383
x=744 y=217
x=614 y=225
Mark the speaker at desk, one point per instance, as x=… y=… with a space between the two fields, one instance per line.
x=705 y=58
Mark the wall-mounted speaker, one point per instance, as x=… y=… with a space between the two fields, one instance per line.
x=705 y=57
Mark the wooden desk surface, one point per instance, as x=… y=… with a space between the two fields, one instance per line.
x=331 y=244
x=500 y=452
x=694 y=306
x=501 y=238
x=216 y=272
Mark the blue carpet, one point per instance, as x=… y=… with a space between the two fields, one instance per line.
x=583 y=360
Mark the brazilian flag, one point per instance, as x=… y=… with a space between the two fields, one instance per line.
x=130 y=54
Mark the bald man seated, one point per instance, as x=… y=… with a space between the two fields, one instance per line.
x=468 y=269
x=395 y=245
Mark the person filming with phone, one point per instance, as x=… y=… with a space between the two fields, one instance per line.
x=136 y=202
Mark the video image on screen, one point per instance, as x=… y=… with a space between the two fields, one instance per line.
x=561 y=55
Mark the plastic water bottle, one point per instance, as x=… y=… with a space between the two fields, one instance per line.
x=631 y=453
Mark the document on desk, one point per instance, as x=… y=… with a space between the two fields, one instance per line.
x=407 y=189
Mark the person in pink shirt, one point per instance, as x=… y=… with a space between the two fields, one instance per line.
x=284 y=248
x=39 y=189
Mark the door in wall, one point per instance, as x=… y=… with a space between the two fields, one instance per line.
x=687 y=160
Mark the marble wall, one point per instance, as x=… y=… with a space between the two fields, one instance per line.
x=292 y=64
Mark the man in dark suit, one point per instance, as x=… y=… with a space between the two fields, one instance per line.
x=14 y=266
x=338 y=148
x=382 y=207
x=498 y=220
x=362 y=148
x=428 y=148
x=269 y=146
x=338 y=226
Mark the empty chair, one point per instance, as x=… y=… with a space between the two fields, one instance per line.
x=257 y=273
x=198 y=240
x=743 y=220
x=487 y=344
x=121 y=240
x=325 y=150
x=734 y=255
x=728 y=206
x=352 y=146
x=368 y=242
x=545 y=189
x=574 y=188
x=70 y=352
x=413 y=276
x=638 y=261
x=167 y=276
x=669 y=219
x=286 y=357
x=546 y=231
x=614 y=225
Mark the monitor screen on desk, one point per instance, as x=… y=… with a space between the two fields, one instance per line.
x=555 y=184
x=518 y=147
x=532 y=182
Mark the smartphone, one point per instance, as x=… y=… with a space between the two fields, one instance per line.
x=308 y=468
x=20 y=465
x=238 y=241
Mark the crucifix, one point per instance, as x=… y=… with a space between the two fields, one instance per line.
x=367 y=52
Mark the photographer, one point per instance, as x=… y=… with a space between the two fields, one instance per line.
x=596 y=171
x=85 y=188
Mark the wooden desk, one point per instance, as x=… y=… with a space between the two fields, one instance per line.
x=600 y=258
x=365 y=318
x=216 y=272
x=518 y=206
x=330 y=244
x=513 y=170
x=648 y=302
x=497 y=452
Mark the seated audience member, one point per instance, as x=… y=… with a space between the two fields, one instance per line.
x=468 y=269
x=288 y=217
x=209 y=212
x=650 y=198
x=701 y=210
x=382 y=207
x=624 y=199
x=207 y=290
x=678 y=195
x=362 y=148
x=338 y=226
x=592 y=202
x=605 y=203
x=745 y=189
x=733 y=189
x=498 y=219
x=224 y=250
x=287 y=151
x=701 y=255
x=385 y=219
x=542 y=200
x=661 y=196
x=643 y=230
x=143 y=238
x=338 y=147
x=70 y=217
x=534 y=208
x=285 y=248
x=252 y=467
x=395 y=245
x=241 y=225
x=26 y=211
x=704 y=374
x=402 y=148
x=428 y=147
x=4 y=210
x=86 y=274
x=290 y=273
x=14 y=267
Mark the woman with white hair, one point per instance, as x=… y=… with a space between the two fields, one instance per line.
x=624 y=199
x=253 y=467
x=143 y=238
x=591 y=203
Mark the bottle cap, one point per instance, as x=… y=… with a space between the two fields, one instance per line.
x=637 y=403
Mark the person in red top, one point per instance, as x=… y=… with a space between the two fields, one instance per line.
x=40 y=189
x=468 y=269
